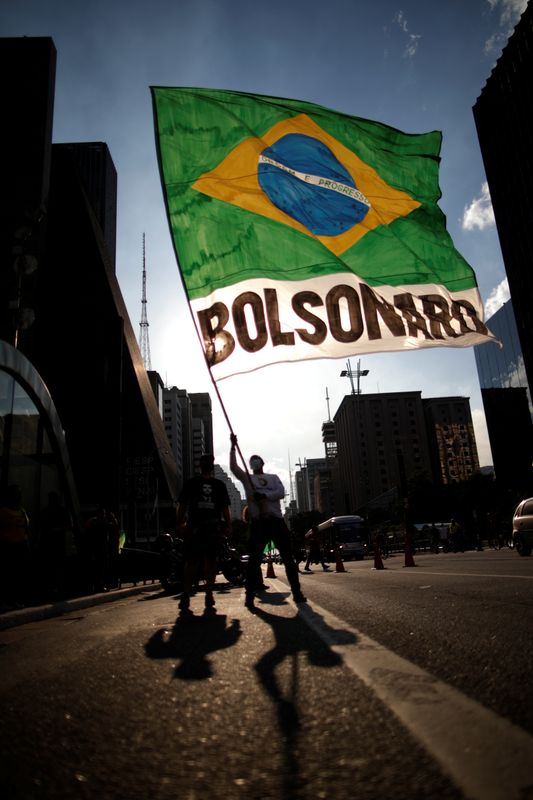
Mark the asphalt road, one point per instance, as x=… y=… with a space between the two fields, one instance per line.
x=398 y=683
x=467 y=618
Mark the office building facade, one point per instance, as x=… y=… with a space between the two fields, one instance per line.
x=451 y=439
x=202 y=425
x=502 y=115
x=379 y=435
x=507 y=401
x=308 y=481
x=62 y=308
x=236 y=502
x=386 y=439
x=502 y=367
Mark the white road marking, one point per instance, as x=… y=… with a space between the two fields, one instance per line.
x=487 y=757
x=462 y=574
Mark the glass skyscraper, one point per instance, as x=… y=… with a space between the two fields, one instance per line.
x=502 y=367
x=507 y=401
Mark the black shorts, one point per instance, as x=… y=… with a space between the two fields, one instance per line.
x=202 y=543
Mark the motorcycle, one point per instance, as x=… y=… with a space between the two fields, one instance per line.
x=171 y=555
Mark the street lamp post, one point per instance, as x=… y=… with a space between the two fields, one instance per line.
x=351 y=373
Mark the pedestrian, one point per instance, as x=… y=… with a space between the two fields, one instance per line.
x=101 y=550
x=15 y=552
x=493 y=530
x=204 y=517
x=55 y=524
x=315 y=554
x=435 y=539
x=456 y=536
x=263 y=494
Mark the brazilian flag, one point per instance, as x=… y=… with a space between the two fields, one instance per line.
x=301 y=232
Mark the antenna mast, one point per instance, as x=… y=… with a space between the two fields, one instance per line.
x=143 y=331
x=290 y=479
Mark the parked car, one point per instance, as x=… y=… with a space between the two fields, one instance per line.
x=523 y=527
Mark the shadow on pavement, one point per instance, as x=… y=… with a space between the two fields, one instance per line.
x=293 y=637
x=191 y=639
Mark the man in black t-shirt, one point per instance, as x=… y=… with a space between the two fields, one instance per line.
x=204 y=516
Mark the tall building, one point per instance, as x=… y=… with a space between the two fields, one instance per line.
x=33 y=445
x=307 y=479
x=26 y=158
x=158 y=388
x=329 y=438
x=452 y=443
x=93 y=162
x=328 y=491
x=506 y=401
x=174 y=429
x=201 y=408
x=187 y=457
x=502 y=114
x=62 y=308
x=511 y=437
x=314 y=487
x=502 y=367
x=379 y=435
x=188 y=421
x=303 y=488
x=386 y=439
x=236 y=501
x=202 y=425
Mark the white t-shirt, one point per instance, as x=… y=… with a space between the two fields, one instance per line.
x=267 y=484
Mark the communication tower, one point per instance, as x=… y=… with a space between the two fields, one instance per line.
x=329 y=436
x=144 y=339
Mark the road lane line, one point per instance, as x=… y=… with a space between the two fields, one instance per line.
x=461 y=574
x=487 y=756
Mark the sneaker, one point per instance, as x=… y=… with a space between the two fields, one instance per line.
x=307 y=569
x=209 y=600
x=299 y=598
x=184 y=602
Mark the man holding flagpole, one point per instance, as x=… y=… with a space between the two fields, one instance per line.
x=263 y=494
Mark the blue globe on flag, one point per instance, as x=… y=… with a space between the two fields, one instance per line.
x=303 y=178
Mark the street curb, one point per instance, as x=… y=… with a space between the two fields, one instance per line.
x=24 y=615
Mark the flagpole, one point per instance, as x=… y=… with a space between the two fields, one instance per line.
x=208 y=365
x=172 y=239
x=222 y=406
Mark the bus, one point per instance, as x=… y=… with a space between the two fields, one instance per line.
x=349 y=533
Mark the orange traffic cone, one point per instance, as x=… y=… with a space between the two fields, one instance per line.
x=339 y=566
x=409 y=560
x=378 y=561
x=270 y=568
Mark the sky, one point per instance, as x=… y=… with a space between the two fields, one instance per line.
x=416 y=65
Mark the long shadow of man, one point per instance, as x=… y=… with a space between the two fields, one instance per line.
x=192 y=638
x=292 y=637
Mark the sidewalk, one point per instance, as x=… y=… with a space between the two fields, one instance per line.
x=21 y=616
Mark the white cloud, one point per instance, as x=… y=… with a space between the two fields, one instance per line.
x=510 y=12
x=479 y=213
x=412 y=38
x=499 y=295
